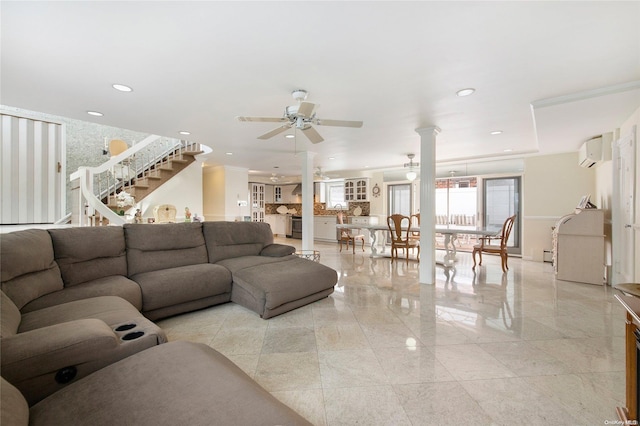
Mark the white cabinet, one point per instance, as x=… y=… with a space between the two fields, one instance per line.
x=324 y=228
x=268 y=194
x=319 y=192
x=257 y=201
x=365 y=221
x=356 y=189
x=277 y=194
x=278 y=223
x=578 y=247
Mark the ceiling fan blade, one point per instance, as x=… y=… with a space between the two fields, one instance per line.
x=312 y=134
x=275 y=132
x=263 y=119
x=339 y=123
x=306 y=109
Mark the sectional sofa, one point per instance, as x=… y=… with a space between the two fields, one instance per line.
x=75 y=300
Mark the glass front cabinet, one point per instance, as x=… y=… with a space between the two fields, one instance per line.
x=356 y=189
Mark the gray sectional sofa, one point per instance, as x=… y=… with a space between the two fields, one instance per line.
x=75 y=300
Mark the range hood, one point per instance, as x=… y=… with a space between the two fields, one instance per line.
x=297 y=190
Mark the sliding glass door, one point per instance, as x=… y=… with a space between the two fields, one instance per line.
x=399 y=197
x=501 y=199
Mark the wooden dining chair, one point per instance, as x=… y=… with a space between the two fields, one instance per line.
x=349 y=235
x=496 y=244
x=414 y=220
x=399 y=229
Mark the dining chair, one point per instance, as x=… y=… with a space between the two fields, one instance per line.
x=498 y=247
x=349 y=235
x=400 y=235
x=414 y=220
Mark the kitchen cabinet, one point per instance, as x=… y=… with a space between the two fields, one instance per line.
x=356 y=189
x=319 y=192
x=278 y=223
x=269 y=194
x=257 y=201
x=324 y=228
x=277 y=194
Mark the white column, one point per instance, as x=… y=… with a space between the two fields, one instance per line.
x=307 y=199
x=427 y=203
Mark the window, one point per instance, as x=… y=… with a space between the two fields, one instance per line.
x=335 y=195
x=399 y=199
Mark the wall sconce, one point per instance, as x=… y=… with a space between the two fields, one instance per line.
x=411 y=174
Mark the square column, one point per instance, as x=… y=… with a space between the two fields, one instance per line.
x=307 y=199
x=427 y=203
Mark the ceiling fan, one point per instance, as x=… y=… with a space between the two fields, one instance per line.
x=319 y=175
x=301 y=116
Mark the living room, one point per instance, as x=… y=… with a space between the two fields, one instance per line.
x=193 y=69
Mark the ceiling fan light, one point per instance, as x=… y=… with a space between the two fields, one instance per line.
x=411 y=175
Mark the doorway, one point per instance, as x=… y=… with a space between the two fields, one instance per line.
x=501 y=199
x=623 y=209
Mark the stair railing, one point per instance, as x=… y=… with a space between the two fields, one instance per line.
x=99 y=185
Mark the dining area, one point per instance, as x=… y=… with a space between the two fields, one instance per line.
x=399 y=239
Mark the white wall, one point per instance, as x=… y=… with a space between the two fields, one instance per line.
x=182 y=190
x=552 y=187
x=223 y=187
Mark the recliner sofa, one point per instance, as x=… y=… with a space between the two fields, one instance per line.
x=78 y=286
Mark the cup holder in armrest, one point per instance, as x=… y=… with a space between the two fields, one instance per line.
x=125 y=327
x=133 y=335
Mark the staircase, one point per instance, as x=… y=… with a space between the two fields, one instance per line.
x=138 y=171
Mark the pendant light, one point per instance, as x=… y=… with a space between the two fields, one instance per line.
x=411 y=174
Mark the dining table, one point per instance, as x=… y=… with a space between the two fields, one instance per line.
x=450 y=234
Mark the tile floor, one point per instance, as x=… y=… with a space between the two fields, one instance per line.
x=486 y=349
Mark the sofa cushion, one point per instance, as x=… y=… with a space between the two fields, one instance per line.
x=163 y=246
x=176 y=383
x=13 y=406
x=115 y=285
x=234 y=239
x=236 y=263
x=266 y=287
x=88 y=253
x=27 y=266
x=167 y=287
x=9 y=316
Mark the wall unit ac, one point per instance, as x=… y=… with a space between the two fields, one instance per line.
x=590 y=152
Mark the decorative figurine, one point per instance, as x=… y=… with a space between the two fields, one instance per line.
x=187 y=214
x=138 y=216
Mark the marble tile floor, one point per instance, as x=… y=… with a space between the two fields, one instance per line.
x=475 y=349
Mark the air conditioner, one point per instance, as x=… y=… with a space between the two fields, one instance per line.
x=590 y=152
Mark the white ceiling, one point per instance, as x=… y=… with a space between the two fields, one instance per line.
x=550 y=75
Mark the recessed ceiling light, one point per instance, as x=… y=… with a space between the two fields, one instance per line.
x=95 y=113
x=289 y=136
x=507 y=150
x=122 y=88
x=465 y=92
x=229 y=153
x=332 y=158
x=184 y=132
x=496 y=132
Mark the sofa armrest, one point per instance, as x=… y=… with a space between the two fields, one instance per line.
x=51 y=348
x=277 y=250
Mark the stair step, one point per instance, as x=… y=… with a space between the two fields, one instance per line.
x=180 y=161
x=140 y=186
x=193 y=153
